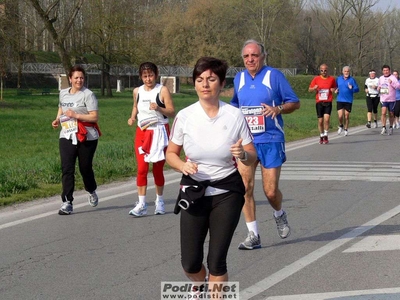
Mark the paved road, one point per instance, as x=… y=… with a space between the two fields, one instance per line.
x=342 y=201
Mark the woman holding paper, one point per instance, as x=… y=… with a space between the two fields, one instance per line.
x=152 y=105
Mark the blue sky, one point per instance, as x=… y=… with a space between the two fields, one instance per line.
x=383 y=4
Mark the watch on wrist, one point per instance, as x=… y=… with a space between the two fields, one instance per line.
x=280 y=107
x=244 y=158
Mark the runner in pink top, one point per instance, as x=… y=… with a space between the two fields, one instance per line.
x=387 y=86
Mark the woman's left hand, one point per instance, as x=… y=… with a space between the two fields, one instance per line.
x=70 y=113
x=153 y=106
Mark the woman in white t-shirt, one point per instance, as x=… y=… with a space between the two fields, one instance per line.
x=213 y=134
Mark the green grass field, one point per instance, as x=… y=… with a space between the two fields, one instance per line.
x=30 y=163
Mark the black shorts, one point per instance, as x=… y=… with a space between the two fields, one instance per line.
x=344 y=105
x=323 y=108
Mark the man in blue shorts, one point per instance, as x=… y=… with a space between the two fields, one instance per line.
x=387 y=86
x=263 y=94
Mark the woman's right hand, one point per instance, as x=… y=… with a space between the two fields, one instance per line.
x=131 y=121
x=55 y=123
x=189 y=168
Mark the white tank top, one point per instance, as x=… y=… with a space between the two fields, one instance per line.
x=144 y=98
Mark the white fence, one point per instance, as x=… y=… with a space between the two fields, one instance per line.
x=55 y=69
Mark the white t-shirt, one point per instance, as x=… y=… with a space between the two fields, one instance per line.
x=207 y=141
x=369 y=82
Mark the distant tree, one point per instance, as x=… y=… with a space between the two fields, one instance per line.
x=58 y=29
x=391 y=37
x=332 y=16
x=365 y=29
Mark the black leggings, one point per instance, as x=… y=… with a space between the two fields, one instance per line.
x=217 y=214
x=397 y=109
x=372 y=104
x=69 y=153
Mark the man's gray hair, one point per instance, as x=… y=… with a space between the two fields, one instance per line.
x=251 y=41
x=346 y=67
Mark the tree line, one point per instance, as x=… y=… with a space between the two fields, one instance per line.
x=296 y=33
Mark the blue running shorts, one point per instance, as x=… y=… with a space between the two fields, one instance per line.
x=271 y=155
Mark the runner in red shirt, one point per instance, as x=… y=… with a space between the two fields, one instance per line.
x=323 y=86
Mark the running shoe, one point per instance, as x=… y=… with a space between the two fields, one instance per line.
x=390 y=131
x=282 y=225
x=139 y=210
x=251 y=242
x=93 y=199
x=325 y=141
x=321 y=140
x=397 y=126
x=346 y=132
x=160 y=210
x=368 y=125
x=383 y=131
x=375 y=125
x=340 y=130
x=197 y=292
x=66 y=208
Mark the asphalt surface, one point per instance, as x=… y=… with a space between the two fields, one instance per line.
x=342 y=201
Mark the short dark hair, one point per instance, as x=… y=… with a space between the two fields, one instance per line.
x=385 y=67
x=76 y=68
x=148 y=66
x=217 y=66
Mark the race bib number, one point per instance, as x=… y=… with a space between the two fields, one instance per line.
x=68 y=125
x=384 y=89
x=254 y=118
x=323 y=94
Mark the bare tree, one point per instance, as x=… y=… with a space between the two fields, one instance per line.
x=365 y=29
x=391 y=36
x=332 y=16
x=49 y=15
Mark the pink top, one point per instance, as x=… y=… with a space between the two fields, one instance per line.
x=387 y=88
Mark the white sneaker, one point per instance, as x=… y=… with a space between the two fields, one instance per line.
x=339 y=131
x=346 y=133
x=139 y=210
x=160 y=210
x=383 y=131
x=390 y=132
x=397 y=126
x=93 y=199
x=375 y=125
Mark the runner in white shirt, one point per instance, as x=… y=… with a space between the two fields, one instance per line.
x=373 y=99
x=213 y=134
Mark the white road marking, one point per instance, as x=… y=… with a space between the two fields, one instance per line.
x=339 y=171
x=102 y=199
x=291 y=269
x=376 y=243
x=383 y=294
